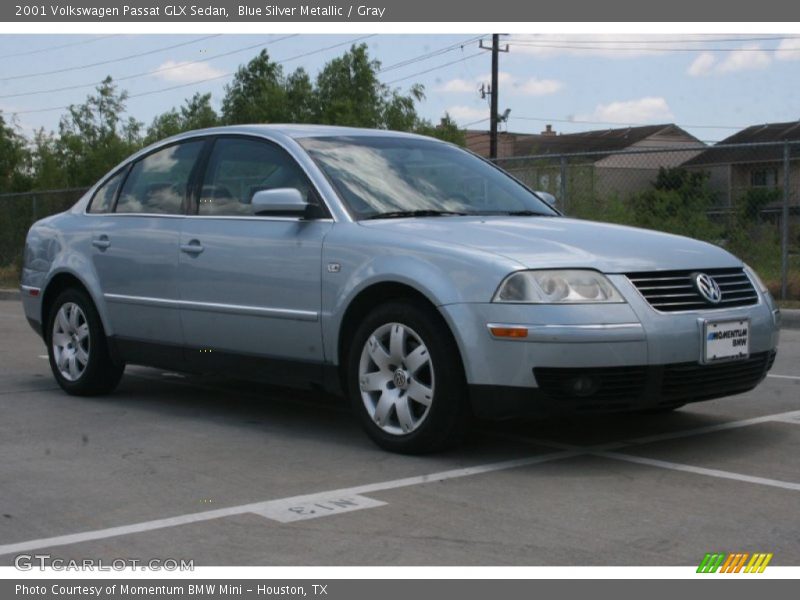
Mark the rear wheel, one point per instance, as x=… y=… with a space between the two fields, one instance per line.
x=406 y=381
x=77 y=346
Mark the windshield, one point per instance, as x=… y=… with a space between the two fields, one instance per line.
x=392 y=176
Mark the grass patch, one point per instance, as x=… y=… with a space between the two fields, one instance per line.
x=9 y=277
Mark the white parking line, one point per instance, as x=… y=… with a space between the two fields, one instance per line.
x=663 y=464
x=274 y=509
x=784 y=376
x=261 y=508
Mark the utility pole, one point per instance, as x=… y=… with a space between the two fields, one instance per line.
x=493 y=91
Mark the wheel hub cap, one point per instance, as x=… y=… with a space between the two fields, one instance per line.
x=70 y=341
x=396 y=377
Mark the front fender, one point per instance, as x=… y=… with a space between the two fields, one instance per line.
x=355 y=259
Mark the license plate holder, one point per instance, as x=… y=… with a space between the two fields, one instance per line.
x=726 y=340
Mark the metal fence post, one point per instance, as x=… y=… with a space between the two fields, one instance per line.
x=563 y=184
x=785 y=225
x=33 y=207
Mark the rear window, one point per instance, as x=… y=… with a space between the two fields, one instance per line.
x=159 y=183
x=103 y=199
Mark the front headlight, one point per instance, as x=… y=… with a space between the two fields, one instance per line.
x=756 y=279
x=562 y=286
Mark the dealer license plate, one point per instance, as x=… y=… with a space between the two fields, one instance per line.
x=726 y=340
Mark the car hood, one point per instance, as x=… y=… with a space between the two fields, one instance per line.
x=548 y=242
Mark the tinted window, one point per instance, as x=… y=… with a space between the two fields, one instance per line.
x=159 y=182
x=103 y=199
x=377 y=175
x=238 y=168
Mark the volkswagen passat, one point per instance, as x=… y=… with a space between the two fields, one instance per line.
x=420 y=280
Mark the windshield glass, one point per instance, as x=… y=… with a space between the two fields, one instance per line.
x=391 y=176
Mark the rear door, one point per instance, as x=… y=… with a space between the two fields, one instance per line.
x=250 y=284
x=135 y=250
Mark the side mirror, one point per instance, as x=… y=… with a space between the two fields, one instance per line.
x=279 y=201
x=547 y=197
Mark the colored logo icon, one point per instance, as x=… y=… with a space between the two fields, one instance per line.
x=736 y=562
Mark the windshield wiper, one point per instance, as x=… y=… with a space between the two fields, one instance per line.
x=399 y=214
x=526 y=213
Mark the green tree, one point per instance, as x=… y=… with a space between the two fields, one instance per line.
x=196 y=113
x=349 y=92
x=257 y=93
x=677 y=203
x=299 y=97
x=446 y=130
x=14 y=159
x=95 y=136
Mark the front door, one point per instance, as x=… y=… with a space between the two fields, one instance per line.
x=250 y=285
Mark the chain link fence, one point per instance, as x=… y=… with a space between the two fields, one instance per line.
x=743 y=197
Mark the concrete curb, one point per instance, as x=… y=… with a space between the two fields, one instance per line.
x=790 y=317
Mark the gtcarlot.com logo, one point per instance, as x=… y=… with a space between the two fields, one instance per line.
x=735 y=562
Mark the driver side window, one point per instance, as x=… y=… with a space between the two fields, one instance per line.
x=240 y=167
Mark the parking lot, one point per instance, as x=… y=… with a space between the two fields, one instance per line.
x=235 y=473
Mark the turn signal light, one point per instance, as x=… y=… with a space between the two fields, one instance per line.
x=509 y=332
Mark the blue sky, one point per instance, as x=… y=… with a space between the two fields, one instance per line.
x=575 y=82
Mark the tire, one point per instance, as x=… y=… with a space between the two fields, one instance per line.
x=410 y=397
x=77 y=346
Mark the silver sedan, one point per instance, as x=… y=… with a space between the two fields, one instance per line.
x=416 y=278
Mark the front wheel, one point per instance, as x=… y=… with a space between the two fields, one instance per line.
x=406 y=381
x=77 y=346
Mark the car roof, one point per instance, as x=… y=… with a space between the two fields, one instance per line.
x=296 y=131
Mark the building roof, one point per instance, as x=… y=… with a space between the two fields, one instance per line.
x=599 y=141
x=721 y=153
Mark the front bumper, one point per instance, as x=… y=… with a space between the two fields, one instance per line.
x=628 y=344
x=612 y=389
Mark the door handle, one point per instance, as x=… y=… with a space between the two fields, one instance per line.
x=101 y=242
x=193 y=247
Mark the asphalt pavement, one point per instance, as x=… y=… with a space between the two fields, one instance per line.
x=227 y=472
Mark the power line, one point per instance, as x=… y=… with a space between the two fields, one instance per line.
x=153 y=72
x=110 y=61
x=442 y=66
x=59 y=47
x=193 y=83
x=599 y=40
x=648 y=49
x=431 y=54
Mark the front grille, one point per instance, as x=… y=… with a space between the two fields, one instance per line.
x=670 y=291
x=690 y=382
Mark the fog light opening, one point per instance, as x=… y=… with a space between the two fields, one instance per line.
x=583 y=386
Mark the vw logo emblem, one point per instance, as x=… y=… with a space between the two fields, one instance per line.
x=708 y=288
x=400 y=379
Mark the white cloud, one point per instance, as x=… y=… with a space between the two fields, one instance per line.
x=464 y=114
x=643 y=110
x=509 y=84
x=788 y=49
x=186 y=72
x=748 y=57
x=538 y=87
x=458 y=86
x=702 y=65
